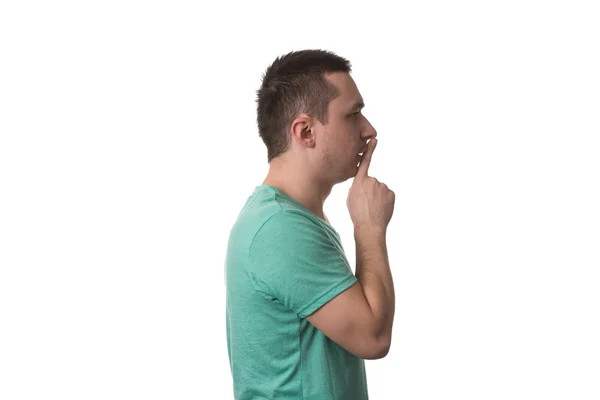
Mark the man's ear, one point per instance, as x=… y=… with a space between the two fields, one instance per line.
x=303 y=131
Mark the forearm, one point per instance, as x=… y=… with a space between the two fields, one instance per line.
x=375 y=277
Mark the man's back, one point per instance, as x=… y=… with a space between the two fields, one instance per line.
x=283 y=263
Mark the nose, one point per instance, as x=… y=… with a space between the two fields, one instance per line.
x=368 y=131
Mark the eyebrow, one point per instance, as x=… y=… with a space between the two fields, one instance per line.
x=359 y=104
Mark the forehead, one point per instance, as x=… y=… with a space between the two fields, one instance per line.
x=349 y=95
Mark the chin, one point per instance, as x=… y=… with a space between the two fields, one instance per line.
x=350 y=175
x=343 y=178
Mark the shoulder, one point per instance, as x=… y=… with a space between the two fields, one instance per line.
x=289 y=222
x=291 y=231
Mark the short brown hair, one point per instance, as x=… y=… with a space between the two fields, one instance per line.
x=295 y=83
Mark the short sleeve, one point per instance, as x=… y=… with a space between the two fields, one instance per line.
x=295 y=260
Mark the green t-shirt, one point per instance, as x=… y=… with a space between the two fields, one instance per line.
x=282 y=264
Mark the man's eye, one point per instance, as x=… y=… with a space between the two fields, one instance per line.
x=355 y=113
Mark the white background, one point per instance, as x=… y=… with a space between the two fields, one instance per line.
x=129 y=144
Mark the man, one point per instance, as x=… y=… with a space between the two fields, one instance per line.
x=299 y=322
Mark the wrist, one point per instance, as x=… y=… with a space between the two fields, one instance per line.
x=369 y=232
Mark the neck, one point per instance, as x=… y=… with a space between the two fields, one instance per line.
x=299 y=184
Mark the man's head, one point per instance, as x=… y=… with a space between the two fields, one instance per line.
x=309 y=110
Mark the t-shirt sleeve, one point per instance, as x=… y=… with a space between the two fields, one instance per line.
x=293 y=260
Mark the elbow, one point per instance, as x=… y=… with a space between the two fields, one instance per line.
x=379 y=349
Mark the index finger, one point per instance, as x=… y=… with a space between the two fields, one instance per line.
x=363 y=168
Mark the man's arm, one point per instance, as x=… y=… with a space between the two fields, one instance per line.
x=360 y=318
x=375 y=277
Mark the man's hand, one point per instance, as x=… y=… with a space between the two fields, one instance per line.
x=370 y=202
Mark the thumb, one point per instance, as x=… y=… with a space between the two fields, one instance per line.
x=363 y=168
